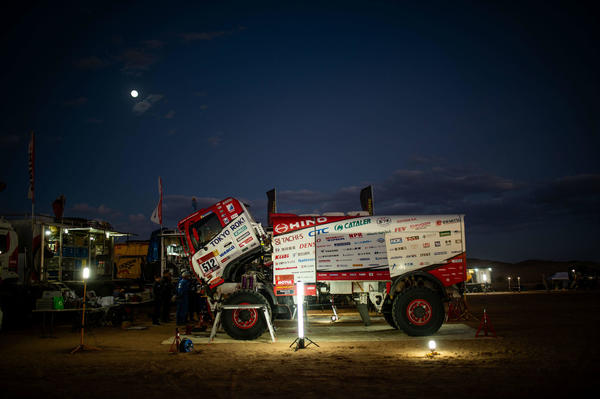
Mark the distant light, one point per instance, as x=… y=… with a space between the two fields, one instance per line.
x=489 y=268
x=92 y=238
x=86 y=273
x=47 y=232
x=134 y=93
x=66 y=231
x=484 y=278
x=432 y=345
x=476 y=270
x=107 y=234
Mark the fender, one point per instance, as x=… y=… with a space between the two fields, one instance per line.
x=418 y=275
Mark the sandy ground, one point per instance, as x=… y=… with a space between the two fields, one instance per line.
x=547 y=347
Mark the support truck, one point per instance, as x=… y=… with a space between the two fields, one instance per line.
x=407 y=267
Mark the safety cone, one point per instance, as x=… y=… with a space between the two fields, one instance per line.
x=486 y=326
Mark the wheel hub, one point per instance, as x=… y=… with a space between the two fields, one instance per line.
x=419 y=312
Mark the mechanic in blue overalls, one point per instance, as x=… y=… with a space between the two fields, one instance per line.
x=183 y=298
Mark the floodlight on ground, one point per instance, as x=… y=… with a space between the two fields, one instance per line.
x=432 y=346
x=81 y=346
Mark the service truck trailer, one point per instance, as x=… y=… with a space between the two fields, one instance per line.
x=406 y=266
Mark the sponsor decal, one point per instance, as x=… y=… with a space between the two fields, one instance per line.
x=456 y=260
x=440 y=253
x=230 y=207
x=225 y=220
x=220 y=237
x=240 y=230
x=335 y=238
x=381 y=240
x=399 y=229
x=234 y=215
x=420 y=226
x=456 y=252
x=246 y=241
x=424 y=254
x=240 y=238
x=357 y=265
x=355 y=235
x=450 y=221
x=448 y=242
x=438 y=244
x=409 y=264
x=286 y=239
x=282 y=228
x=224 y=260
x=245 y=249
x=406 y=220
x=426 y=245
x=445 y=233
x=339 y=244
x=306 y=260
x=459 y=241
x=282 y=256
x=411 y=256
x=323 y=230
x=396 y=257
x=307 y=245
x=395 y=241
x=412 y=238
x=364 y=259
x=305 y=253
x=227 y=251
x=354 y=223
x=383 y=221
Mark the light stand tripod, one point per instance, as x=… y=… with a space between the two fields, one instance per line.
x=81 y=347
x=299 y=341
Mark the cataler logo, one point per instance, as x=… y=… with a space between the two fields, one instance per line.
x=281 y=228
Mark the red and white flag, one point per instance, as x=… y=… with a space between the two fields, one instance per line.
x=31 y=153
x=157 y=214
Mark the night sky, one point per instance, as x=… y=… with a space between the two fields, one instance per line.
x=450 y=107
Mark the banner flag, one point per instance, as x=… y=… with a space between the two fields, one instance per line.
x=366 y=199
x=31 y=154
x=271 y=205
x=157 y=214
x=58 y=206
x=194 y=204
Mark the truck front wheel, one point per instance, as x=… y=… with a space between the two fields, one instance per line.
x=418 y=312
x=245 y=324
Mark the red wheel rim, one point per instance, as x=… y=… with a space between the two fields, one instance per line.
x=245 y=318
x=419 y=312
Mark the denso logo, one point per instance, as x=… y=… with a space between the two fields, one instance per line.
x=307 y=245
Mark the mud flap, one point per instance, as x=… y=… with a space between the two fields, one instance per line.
x=363 y=309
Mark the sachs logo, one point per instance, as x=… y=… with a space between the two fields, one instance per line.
x=281 y=228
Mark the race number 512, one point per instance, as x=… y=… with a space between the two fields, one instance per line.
x=209 y=266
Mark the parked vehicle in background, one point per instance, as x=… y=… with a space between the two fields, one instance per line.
x=9 y=251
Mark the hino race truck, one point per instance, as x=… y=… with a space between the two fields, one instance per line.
x=407 y=267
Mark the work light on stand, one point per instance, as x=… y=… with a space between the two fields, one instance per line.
x=299 y=341
x=81 y=346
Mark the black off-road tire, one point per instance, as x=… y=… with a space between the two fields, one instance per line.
x=418 y=312
x=387 y=315
x=245 y=324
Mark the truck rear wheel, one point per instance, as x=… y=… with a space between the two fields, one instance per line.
x=418 y=312
x=245 y=324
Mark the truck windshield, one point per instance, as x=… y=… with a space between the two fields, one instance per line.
x=204 y=230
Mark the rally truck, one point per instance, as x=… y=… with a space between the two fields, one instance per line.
x=407 y=267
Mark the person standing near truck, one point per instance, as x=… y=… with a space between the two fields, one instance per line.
x=157 y=296
x=165 y=296
x=183 y=298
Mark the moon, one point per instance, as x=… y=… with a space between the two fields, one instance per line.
x=134 y=93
